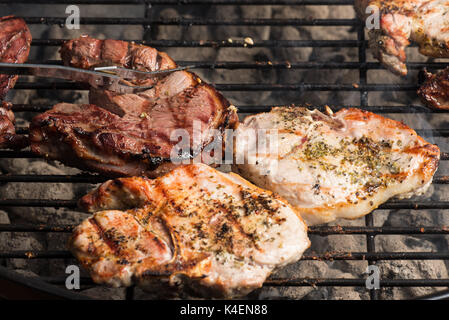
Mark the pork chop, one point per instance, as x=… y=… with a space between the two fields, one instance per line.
x=341 y=165
x=211 y=232
x=401 y=21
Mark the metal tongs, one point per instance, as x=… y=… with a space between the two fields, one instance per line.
x=111 y=78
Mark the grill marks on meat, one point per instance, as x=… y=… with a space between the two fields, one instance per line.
x=129 y=134
x=422 y=21
x=92 y=138
x=213 y=232
x=7 y=131
x=8 y=136
x=15 y=40
x=177 y=85
x=86 y=53
x=336 y=166
x=435 y=90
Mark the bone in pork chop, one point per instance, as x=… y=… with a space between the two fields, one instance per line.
x=434 y=92
x=15 y=41
x=130 y=134
x=422 y=21
x=214 y=232
x=342 y=165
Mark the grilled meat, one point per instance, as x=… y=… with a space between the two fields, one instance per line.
x=435 y=90
x=15 y=41
x=215 y=233
x=86 y=53
x=131 y=134
x=342 y=165
x=7 y=130
x=93 y=138
x=8 y=136
x=422 y=21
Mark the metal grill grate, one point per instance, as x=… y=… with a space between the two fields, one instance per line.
x=364 y=88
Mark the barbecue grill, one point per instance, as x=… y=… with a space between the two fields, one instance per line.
x=52 y=286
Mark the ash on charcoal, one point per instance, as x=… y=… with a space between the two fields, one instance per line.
x=105 y=293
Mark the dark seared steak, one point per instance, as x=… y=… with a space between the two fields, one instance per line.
x=15 y=40
x=86 y=52
x=435 y=90
x=129 y=134
x=8 y=136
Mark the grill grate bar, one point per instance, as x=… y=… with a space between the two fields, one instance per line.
x=266 y=108
x=327 y=256
x=82 y=178
x=393 y=205
x=195 y=21
x=67 y=85
x=225 y=43
x=423 y=132
x=316 y=230
x=187 y=2
x=357 y=282
x=9 y=154
x=60 y=280
x=370 y=245
x=371 y=248
x=235 y=65
x=91 y=178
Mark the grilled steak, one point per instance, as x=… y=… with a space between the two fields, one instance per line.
x=8 y=136
x=422 y=21
x=15 y=40
x=7 y=130
x=215 y=233
x=131 y=134
x=435 y=90
x=342 y=165
x=86 y=53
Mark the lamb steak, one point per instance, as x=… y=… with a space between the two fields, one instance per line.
x=15 y=41
x=130 y=134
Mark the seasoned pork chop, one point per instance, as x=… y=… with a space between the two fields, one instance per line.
x=422 y=21
x=335 y=166
x=131 y=134
x=213 y=232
